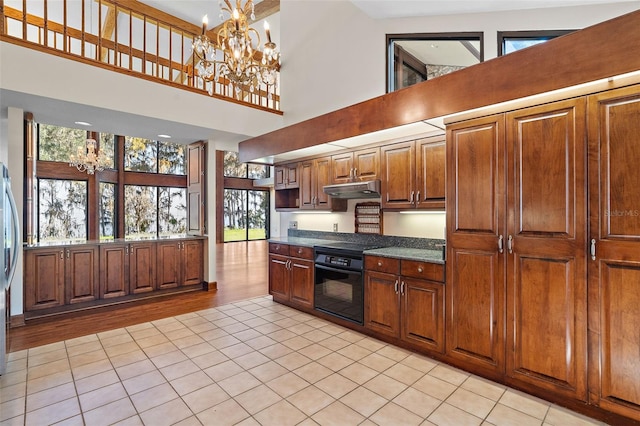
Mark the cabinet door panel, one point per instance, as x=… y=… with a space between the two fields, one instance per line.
x=193 y=261
x=382 y=303
x=44 y=279
x=614 y=274
x=430 y=166
x=307 y=184
x=547 y=326
x=547 y=270
x=114 y=271
x=168 y=265
x=398 y=175
x=620 y=340
x=341 y=166
x=476 y=160
x=366 y=163
x=82 y=274
x=278 y=276
x=423 y=314
x=142 y=267
x=322 y=178
x=476 y=311
x=301 y=283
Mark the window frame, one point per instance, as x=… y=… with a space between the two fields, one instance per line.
x=528 y=35
x=59 y=170
x=390 y=69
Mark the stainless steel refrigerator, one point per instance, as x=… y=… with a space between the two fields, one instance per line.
x=10 y=246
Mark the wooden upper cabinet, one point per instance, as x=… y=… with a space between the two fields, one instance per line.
x=314 y=175
x=360 y=165
x=430 y=165
x=413 y=174
x=286 y=176
x=398 y=175
x=614 y=271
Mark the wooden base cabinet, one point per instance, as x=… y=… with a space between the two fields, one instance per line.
x=518 y=234
x=614 y=262
x=60 y=276
x=291 y=272
x=408 y=306
x=179 y=263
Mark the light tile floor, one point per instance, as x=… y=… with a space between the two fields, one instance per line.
x=252 y=362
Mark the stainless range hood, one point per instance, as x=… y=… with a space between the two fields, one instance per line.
x=368 y=189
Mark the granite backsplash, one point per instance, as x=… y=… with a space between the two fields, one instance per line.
x=383 y=240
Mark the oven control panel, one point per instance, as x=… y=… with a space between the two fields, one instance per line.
x=337 y=260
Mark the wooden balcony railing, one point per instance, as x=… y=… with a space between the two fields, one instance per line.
x=121 y=35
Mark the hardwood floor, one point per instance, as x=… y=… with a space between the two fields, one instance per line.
x=241 y=273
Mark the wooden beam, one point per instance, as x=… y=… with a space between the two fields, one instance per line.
x=597 y=52
x=108 y=28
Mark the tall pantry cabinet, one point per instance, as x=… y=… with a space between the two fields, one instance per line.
x=543 y=248
x=614 y=261
x=516 y=288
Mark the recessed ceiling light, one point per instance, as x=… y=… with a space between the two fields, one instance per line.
x=83 y=123
x=165 y=136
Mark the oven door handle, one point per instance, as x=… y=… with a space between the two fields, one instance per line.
x=345 y=270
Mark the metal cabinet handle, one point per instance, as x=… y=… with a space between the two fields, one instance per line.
x=500 y=244
x=420 y=269
x=402 y=288
x=411 y=199
x=395 y=287
x=510 y=244
x=126 y=250
x=61 y=254
x=379 y=263
x=355 y=172
x=418 y=198
x=593 y=249
x=68 y=253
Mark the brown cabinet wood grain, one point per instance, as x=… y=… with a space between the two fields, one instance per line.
x=291 y=272
x=81 y=274
x=44 y=278
x=614 y=267
x=286 y=176
x=142 y=267
x=179 y=263
x=315 y=174
x=404 y=307
x=413 y=174
x=114 y=270
x=516 y=232
x=359 y=165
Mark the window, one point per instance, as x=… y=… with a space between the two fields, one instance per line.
x=413 y=58
x=234 y=168
x=144 y=207
x=62 y=210
x=245 y=215
x=510 y=41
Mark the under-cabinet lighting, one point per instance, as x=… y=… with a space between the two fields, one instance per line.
x=309 y=212
x=83 y=123
x=165 y=136
x=422 y=212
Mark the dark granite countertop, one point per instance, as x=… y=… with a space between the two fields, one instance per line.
x=422 y=255
x=67 y=243
x=419 y=254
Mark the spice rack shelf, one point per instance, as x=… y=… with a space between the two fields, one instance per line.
x=368 y=218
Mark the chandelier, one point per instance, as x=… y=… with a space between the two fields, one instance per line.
x=88 y=160
x=235 y=54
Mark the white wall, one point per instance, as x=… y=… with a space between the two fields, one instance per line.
x=334 y=55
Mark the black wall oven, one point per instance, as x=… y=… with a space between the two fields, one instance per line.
x=339 y=282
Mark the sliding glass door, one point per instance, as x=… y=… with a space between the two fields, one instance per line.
x=246 y=215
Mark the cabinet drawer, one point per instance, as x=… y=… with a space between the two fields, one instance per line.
x=423 y=270
x=301 y=252
x=279 y=248
x=382 y=264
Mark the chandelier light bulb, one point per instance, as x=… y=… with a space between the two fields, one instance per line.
x=205 y=24
x=266 y=29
